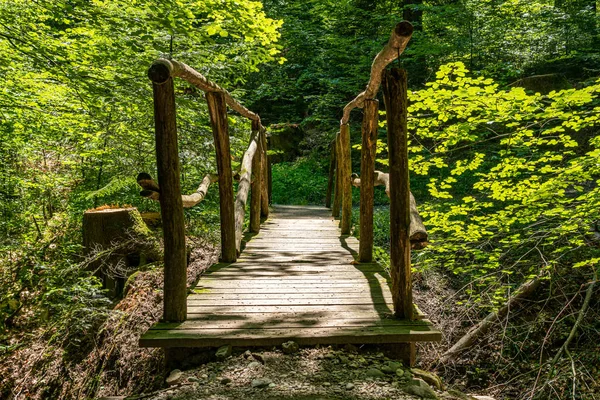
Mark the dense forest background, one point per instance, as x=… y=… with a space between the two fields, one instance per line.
x=504 y=147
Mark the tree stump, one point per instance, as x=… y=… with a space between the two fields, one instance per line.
x=116 y=242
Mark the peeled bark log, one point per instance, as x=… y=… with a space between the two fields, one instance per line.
x=345 y=166
x=264 y=195
x=256 y=185
x=331 y=176
x=337 y=194
x=187 y=73
x=367 y=166
x=418 y=232
x=243 y=188
x=482 y=327
x=152 y=190
x=392 y=50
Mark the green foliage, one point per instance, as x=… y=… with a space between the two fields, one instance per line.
x=513 y=178
x=301 y=182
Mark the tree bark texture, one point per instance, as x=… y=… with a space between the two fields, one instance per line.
x=398 y=39
x=345 y=172
x=167 y=160
x=367 y=167
x=264 y=197
x=395 y=96
x=152 y=190
x=331 y=176
x=243 y=188
x=187 y=73
x=418 y=232
x=256 y=187
x=337 y=196
x=217 y=110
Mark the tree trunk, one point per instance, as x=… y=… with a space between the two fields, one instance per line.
x=264 y=197
x=220 y=127
x=167 y=162
x=116 y=240
x=396 y=103
x=345 y=172
x=331 y=176
x=367 y=167
x=418 y=232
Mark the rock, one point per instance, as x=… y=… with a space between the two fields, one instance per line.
x=225 y=381
x=261 y=383
x=193 y=379
x=349 y=386
x=254 y=364
x=428 y=377
x=400 y=372
x=418 y=387
x=350 y=348
x=386 y=369
x=326 y=384
x=204 y=376
x=223 y=352
x=375 y=373
x=394 y=365
x=259 y=358
x=455 y=394
x=290 y=347
x=174 y=377
x=247 y=354
x=395 y=384
x=272 y=385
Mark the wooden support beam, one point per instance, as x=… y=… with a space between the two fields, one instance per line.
x=331 y=175
x=217 y=110
x=345 y=172
x=367 y=168
x=337 y=196
x=264 y=197
x=395 y=96
x=256 y=187
x=244 y=188
x=167 y=160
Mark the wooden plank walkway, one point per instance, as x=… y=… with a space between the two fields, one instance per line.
x=295 y=280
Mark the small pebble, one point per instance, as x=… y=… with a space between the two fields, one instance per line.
x=225 y=381
x=349 y=386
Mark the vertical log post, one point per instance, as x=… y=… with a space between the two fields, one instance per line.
x=218 y=120
x=167 y=161
x=331 y=176
x=256 y=185
x=367 y=173
x=345 y=172
x=337 y=195
x=264 y=196
x=269 y=175
x=394 y=92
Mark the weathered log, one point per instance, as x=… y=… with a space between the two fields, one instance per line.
x=152 y=190
x=187 y=73
x=171 y=207
x=396 y=104
x=367 y=166
x=399 y=38
x=483 y=326
x=418 y=232
x=337 y=194
x=243 y=188
x=217 y=110
x=331 y=176
x=345 y=171
x=264 y=196
x=256 y=186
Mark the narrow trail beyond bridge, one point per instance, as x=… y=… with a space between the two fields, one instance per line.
x=296 y=280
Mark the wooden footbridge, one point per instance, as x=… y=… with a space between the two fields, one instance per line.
x=299 y=275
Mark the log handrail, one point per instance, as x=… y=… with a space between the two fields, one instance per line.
x=232 y=211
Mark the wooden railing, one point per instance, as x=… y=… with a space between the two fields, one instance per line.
x=406 y=227
x=254 y=175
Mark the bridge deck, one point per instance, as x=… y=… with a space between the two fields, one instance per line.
x=295 y=280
